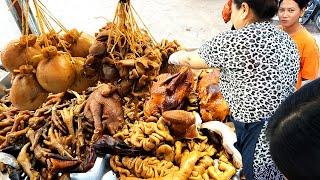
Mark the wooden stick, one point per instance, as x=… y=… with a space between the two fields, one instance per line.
x=41 y=23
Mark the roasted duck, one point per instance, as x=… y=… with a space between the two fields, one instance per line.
x=169 y=92
x=212 y=104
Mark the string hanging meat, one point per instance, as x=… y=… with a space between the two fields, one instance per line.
x=45 y=52
x=126 y=55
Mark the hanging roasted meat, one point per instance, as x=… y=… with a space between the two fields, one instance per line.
x=81 y=82
x=169 y=92
x=26 y=93
x=55 y=72
x=128 y=56
x=20 y=52
x=80 y=43
x=212 y=104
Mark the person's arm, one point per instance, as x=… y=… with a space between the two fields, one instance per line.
x=185 y=58
x=210 y=55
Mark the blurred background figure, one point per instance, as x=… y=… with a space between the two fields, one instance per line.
x=289 y=13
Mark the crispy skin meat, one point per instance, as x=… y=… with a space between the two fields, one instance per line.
x=212 y=104
x=169 y=92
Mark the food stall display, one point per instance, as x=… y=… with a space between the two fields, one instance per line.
x=142 y=111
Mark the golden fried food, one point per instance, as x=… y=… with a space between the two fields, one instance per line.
x=149 y=167
x=224 y=171
x=165 y=152
x=145 y=135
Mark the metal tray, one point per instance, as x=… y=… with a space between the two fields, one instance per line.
x=100 y=168
x=5 y=79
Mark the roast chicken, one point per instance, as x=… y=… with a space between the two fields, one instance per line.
x=212 y=104
x=169 y=92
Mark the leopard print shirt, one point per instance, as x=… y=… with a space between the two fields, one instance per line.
x=259 y=65
x=263 y=165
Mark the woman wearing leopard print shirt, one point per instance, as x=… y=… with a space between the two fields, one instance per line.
x=291 y=138
x=259 y=64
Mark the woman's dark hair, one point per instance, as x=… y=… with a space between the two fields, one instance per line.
x=263 y=9
x=294 y=134
x=301 y=3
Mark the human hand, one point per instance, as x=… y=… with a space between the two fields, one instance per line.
x=228 y=139
x=177 y=58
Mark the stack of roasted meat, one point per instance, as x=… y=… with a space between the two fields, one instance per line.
x=143 y=112
x=152 y=131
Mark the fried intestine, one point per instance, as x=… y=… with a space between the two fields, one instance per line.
x=148 y=167
x=193 y=159
x=145 y=135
